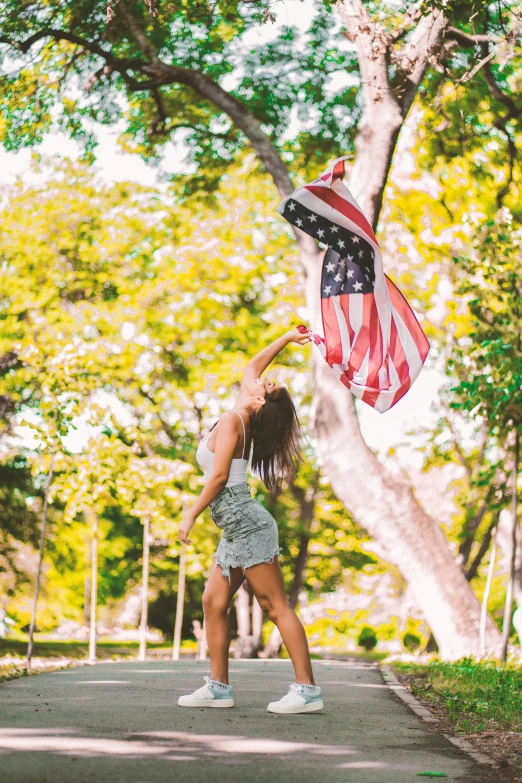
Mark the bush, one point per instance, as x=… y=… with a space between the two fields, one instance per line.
x=411 y=641
x=367 y=638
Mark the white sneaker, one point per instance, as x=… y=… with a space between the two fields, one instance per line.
x=211 y=694
x=300 y=698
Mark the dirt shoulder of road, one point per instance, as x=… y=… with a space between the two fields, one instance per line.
x=504 y=748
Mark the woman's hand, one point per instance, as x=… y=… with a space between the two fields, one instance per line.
x=296 y=336
x=185 y=528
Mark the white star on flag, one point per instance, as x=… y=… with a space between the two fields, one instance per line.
x=320 y=233
x=299 y=222
x=330 y=267
x=349 y=258
x=361 y=253
x=291 y=206
x=341 y=243
x=350 y=273
x=338 y=278
x=334 y=229
x=313 y=218
x=357 y=286
x=328 y=289
x=355 y=238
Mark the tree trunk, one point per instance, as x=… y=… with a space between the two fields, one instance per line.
x=383 y=504
x=485 y=598
x=508 y=608
x=87 y=584
x=245 y=638
x=40 y=563
x=257 y=625
x=94 y=587
x=142 y=655
x=179 y=604
x=388 y=510
x=202 y=651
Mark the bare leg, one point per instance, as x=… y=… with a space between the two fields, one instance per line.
x=266 y=580
x=216 y=602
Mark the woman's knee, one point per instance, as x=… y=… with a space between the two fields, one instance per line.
x=274 y=609
x=214 y=603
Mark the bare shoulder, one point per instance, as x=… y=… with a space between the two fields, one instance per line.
x=229 y=421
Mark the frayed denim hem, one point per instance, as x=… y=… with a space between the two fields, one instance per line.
x=225 y=567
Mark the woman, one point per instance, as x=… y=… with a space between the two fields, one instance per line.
x=264 y=417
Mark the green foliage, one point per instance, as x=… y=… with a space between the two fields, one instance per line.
x=128 y=350
x=487 y=360
x=411 y=641
x=367 y=638
x=477 y=695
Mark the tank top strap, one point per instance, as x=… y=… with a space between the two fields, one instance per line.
x=244 y=433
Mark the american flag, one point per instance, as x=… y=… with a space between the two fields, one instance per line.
x=372 y=339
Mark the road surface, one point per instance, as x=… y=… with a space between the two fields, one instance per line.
x=119 y=722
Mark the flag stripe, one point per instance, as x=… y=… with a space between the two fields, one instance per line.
x=343 y=331
x=334 y=352
x=400 y=304
x=344 y=207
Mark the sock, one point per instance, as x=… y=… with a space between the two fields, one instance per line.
x=309 y=688
x=220 y=684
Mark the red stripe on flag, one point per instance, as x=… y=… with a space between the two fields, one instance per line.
x=332 y=334
x=343 y=301
x=360 y=347
x=338 y=172
x=370 y=396
x=400 y=363
x=400 y=304
x=344 y=207
x=375 y=359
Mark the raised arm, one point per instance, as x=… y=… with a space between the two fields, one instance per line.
x=256 y=366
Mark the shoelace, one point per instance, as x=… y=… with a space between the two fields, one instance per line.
x=205 y=687
x=292 y=691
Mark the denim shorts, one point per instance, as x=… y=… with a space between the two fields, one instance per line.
x=250 y=534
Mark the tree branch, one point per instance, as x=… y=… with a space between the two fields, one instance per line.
x=413 y=57
x=121 y=66
x=484 y=546
x=467 y=39
x=496 y=92
x=137 y=33
x=164 y=74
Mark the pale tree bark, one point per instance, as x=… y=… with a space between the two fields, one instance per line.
x=93 y=518
x=43 y=531
x=508 y=608
x=485 y=597
x=142 y=654
x=257 y=624
x=245 y=647
x=385 y=506
x=180 y=603
x=87 y=584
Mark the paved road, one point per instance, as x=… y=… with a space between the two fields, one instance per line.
x=119 y=722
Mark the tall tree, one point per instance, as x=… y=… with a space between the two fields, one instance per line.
x=174 y=68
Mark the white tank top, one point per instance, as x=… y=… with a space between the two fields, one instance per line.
x=238 y=467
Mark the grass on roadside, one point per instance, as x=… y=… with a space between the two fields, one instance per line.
x=478 y=695
x=75 y=649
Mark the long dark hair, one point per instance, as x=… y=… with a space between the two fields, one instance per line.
x=276 y=434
